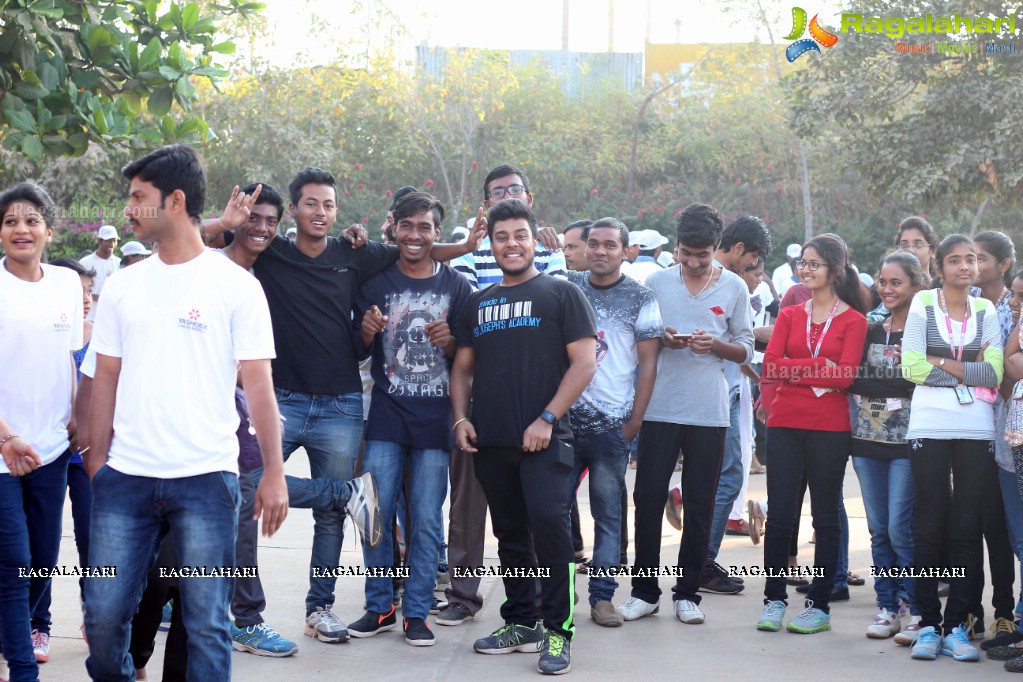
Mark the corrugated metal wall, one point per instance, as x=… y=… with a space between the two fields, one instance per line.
x=576 y=70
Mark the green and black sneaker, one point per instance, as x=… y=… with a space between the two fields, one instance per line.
x=511 y=638
x=555 y=655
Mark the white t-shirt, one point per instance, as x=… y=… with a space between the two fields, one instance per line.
x=179 y=331
x=782 y=278
x=642 y=269
x=40 y=325
x=104 y=267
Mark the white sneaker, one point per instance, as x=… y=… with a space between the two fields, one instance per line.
x=636 y=608
x=909 y=633
x=884 y=626
x=688 y=612
x=364 y=508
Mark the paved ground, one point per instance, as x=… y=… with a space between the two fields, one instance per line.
x=655 y=648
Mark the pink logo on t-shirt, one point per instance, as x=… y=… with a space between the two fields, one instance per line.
x=62 y=324
x=717 y=310
x=192 y=323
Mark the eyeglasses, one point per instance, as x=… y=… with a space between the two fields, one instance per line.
x=513 y=190
x=918 y=244
x=810 y=265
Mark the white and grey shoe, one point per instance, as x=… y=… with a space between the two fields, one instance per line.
x=364 y=508
x=325 y=626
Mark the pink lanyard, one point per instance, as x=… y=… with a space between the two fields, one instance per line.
x=814 y=352
x=957 y=356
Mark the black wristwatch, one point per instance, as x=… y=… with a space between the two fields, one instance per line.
x=549 y=417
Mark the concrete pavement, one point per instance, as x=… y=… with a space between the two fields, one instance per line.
x=659 y=647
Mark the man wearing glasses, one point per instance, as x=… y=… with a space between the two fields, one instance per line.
x=467 y=520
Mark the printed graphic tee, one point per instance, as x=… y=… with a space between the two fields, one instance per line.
x=519 y=335
x=626 y=313
x=411 y=404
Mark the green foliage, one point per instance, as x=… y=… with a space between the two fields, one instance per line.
x=930 y=129
x=74 y=72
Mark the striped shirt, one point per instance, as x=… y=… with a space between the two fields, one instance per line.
x=481 y=269
x=936 y=411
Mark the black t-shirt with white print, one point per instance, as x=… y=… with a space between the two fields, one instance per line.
x=519 y=335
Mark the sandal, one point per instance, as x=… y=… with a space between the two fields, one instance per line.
x=855 y=580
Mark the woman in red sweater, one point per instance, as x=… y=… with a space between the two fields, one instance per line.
x=814 y=354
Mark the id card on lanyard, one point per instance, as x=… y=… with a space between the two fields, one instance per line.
x=814 y=352
x=963 y=394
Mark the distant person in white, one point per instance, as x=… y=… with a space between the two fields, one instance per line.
x=133 y=252
x=103 y=261
x=783 y=275
x=650 y=243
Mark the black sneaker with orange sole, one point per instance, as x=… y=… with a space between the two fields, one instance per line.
x=373 y=623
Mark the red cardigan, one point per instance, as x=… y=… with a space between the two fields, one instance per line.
x=787 y=360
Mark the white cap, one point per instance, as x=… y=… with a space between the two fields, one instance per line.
x=647 y=240
x=665 y=260
x=107 y=232
x=793 y=250
x=291 y=231
x=867 y=279
x=134 y=248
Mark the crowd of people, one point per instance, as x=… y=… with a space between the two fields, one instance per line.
x=503 y=368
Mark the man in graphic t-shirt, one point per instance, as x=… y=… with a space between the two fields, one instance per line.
x=163 y=452
x=405 y=316
x=468 y=524
x=706 y=316
x=607 y=417
x=310 y=285
x=527 y=349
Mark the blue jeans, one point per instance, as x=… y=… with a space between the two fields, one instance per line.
x=31 y=507
x=428 y=486
x=729 y=482
x=329 y=427
x=887 y=488
x=842 y=566
x=130 y=517
x=1013 y=513
x=607 y=457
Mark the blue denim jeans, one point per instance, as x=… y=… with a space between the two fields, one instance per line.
x=729 y=482
x=428 y=486
x=887 y=489
x=130 y=517
x=1013 y=514
x=329 y=427
x=31 y=507
x=607 y=457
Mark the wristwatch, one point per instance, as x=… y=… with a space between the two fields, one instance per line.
x=548 y=417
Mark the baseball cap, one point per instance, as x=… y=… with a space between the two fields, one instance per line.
x=134 y=248
x=665 y=260
x=793 y=250
x=291 y=231
x=107 y=232
x=647 y=240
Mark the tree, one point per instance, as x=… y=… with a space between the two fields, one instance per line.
x=927 y=129
x=74 y=72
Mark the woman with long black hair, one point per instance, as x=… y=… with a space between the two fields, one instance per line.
x=952 y=350
x=814 y=354
x=41 y=319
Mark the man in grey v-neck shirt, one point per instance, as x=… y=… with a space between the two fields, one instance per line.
x=706 y=314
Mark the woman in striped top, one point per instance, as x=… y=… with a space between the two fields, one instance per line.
x=952 y=349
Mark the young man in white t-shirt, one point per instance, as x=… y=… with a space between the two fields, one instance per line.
x=103 y=261
x=163 y=451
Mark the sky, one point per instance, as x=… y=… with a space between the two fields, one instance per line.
x=306 y=32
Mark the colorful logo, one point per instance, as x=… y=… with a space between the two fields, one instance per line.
x=193 y=314
x=817 y=33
